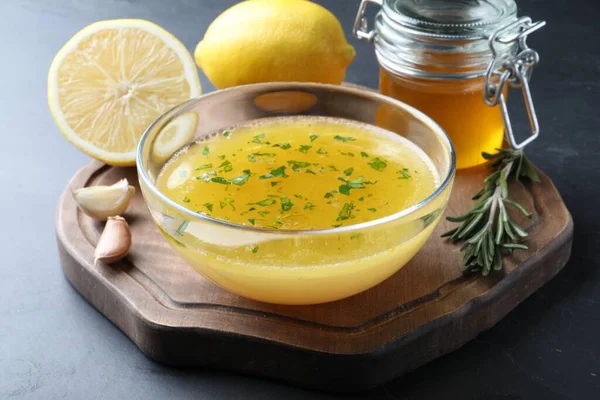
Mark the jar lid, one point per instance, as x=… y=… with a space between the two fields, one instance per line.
x=466 y=19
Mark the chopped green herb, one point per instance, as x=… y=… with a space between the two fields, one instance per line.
x=280 y=172
x=222 y=204
x=230 y=201
x=322 y=170
x=330 y=194
x=186 y=199
x=347 y=154
x=363 y=154
x=182 y=227
x=209 y=206
x=254 y=249
x=321 y=151
x=283 y=146
x=332 y=168
x=305 y=148
x=265 y=202
x=355 y=184
x=337 y=225
x=241 y=179
x=361 y=198
x=226 y=165
x=220 y=180
x=313 y=138
x=298 y=164
x=227 y=134
x=251 y=209
x=309 y=206
x=349 y=171
x=286 y=204
x=343 y=139
x=205 y=166
x=355 y=236
x=206 y=176
x=378 y=164
x=346 y=212
x=298 y=196
x=205 y=151
x=251 y=220
x=274 y=183
x=256 y=139
x=252 y=157
x=222 y=157
x=310 y=171
x=372 y=209
x=404 y=174
x=263 y=213
x=277 y=224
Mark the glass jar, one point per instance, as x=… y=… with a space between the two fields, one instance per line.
x=454 y=60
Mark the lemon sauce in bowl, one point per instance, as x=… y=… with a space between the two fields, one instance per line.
x=299 y=173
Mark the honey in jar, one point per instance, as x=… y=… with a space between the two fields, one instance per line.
x=447 y=59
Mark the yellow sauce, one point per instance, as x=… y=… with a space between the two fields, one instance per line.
x=299 y=174
x=238 y=176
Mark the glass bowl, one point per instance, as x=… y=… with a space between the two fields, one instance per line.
x=293 y=267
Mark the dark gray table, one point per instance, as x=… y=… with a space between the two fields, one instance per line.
x=53 y=345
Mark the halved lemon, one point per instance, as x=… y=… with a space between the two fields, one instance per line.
x=112 y=79
x=177 y=133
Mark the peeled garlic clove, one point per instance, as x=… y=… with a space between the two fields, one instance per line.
x=114 y=242
x=101 y=202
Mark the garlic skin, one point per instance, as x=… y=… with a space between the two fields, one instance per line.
x=114 y=242
x=101 y=202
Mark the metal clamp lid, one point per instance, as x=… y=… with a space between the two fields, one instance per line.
x=360 y=29
x=515 y=69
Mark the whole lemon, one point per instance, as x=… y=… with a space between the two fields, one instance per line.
x=273 y=41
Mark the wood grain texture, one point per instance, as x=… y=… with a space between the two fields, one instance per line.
x=425 y=310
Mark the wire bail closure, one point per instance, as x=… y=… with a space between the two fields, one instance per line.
x=515 y=70
x=361 y=26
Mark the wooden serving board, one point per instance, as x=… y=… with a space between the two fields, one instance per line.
x=425 y=310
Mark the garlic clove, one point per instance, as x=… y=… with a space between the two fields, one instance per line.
x=101 y=202
x=114 y=242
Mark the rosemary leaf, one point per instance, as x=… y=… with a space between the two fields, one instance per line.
x=460 y=218
x=515 y=246
x=509 y=232
x=449 y=233
x=486 y=229
x=520 y=232
x=517 y=206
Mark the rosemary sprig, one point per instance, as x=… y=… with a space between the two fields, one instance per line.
x=486 y=230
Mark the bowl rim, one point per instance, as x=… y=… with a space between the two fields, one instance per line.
x=281 y=86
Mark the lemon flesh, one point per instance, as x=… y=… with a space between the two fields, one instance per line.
x=176 y=134
x=273 y=41
x=112 y=79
